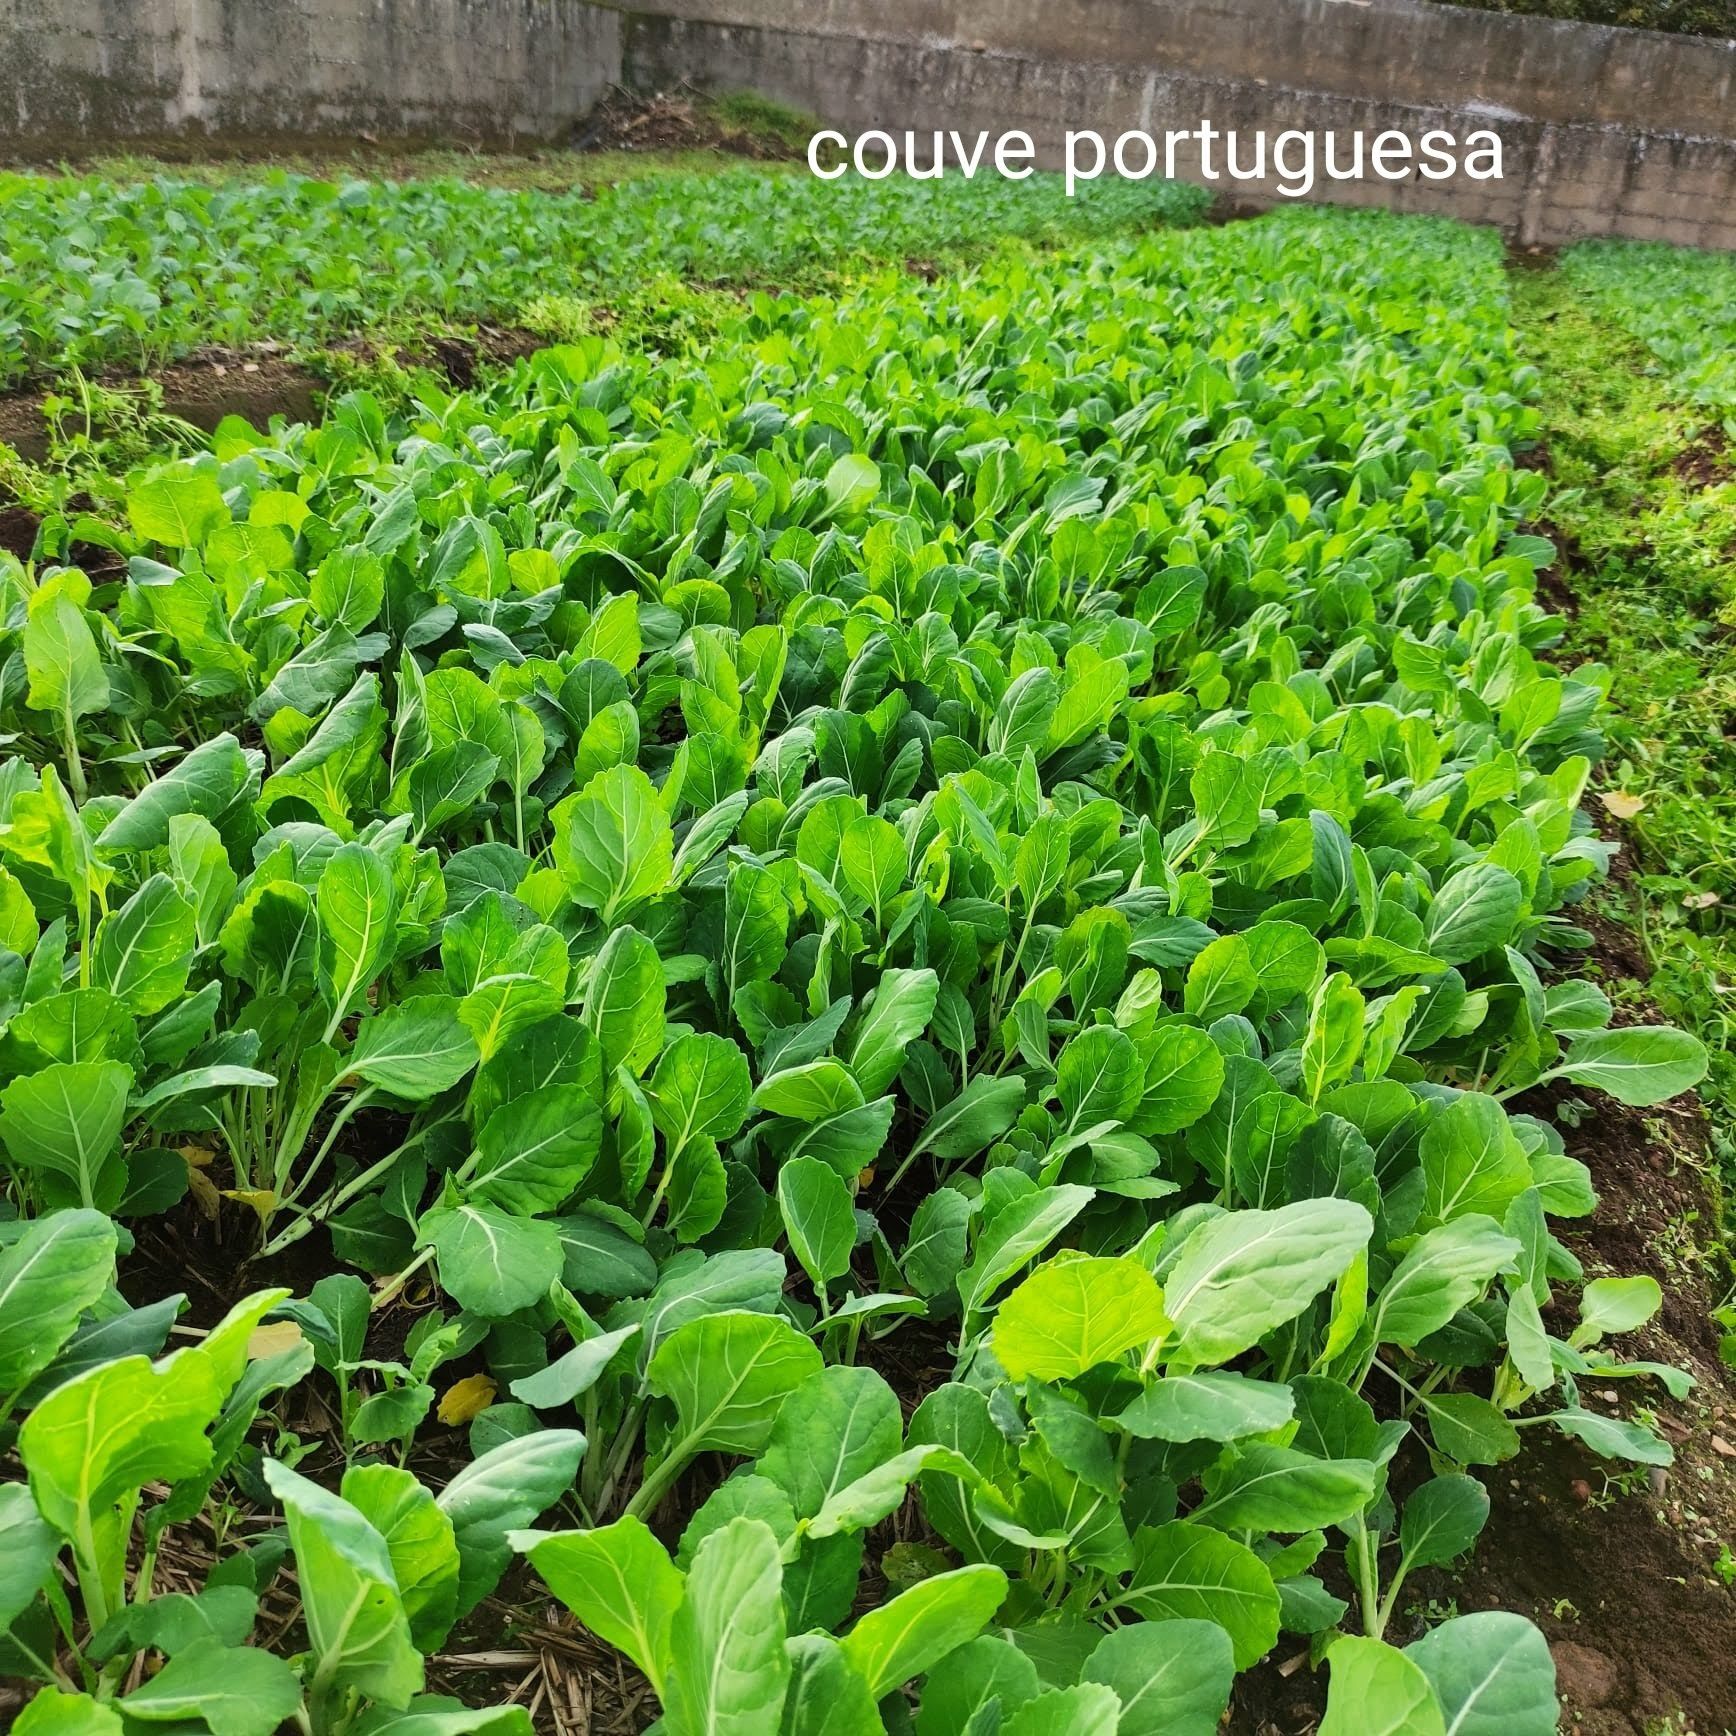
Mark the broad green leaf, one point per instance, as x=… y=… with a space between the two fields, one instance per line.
x=1015 y=1236
x=1614 y=1437
x=178 y=510
x=619 y=844
x=1333 y=1039
x=28 y=1546
x=624 y=1001
x=1072 y=1314
x=52 y=1713
x=619 y=1581
x=833 y=1428
x=60 y=652
x=228 y=1690
x=1022 y=719
x=935 y=1252
x=532 y=1155
x=1637 y=1064
x=447 y=783
x=1172 y=1678
x=701 y=1088
x=358 y=1633
x=415 y=1049
x=1220 y=980
x=852 y=483
x=727 y=1375
x=205 y=782
x=1085 y=1709
x=501 y=1492
x=64 y=1122
x=1376 y=1690
x=1474 y=912
x=571 y=1375
x=812 y=1091
x=826 y=1696
x=347 y=588
x=1192 y=1572
x=56 y=1269
x=1441 y=1520
x=979 y=1674
x=1247 y=1272
x=491 y=1262
x=729 y=1670
x=419 y=1541
x=1468 y=1428
x=1492 y=1674
x=756 y=920
x=873 y=861
x=916 y=1629
x=897 y=1014
x=1098 y=1078
x=441 y=1715
x=880 y=1491
x=1471 y=1161
x=819 y=1217
x=1184 y=1072
x=357 y=913
x=981 y=1112
x=1209 y=1406
x=1267 y=1488
x=144 y=950
x=1445 y=1268
x=1606 y=1305
x=698 y=1189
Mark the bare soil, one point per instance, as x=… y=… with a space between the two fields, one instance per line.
x=1707 y=460
x=678 y=120
x=258 y=384
x=202 y=390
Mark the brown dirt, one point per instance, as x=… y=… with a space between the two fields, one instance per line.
x=202 y=390
x=1554 y=586
x=678 y=120
x=1707 y=460
x=17 y=528
x=462 y=358
x=260 y=383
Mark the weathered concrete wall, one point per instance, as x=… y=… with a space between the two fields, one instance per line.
x=78 y=72
x=1604 y=131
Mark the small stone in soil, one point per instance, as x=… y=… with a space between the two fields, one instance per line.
x=1584 y=1678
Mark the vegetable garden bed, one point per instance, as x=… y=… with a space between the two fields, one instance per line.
x=899 y=1003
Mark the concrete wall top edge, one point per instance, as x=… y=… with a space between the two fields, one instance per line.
x=1409 y=50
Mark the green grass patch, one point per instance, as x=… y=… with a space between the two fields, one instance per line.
x=1650 y=531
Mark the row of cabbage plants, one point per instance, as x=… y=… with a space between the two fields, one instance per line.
x=1029 y=813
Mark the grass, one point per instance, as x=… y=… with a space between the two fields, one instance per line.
x=1645 y=510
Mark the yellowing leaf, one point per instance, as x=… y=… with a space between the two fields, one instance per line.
x=261 y=1199
x=1621 y=804
x=466 y=1398
x=272 y=1340
x=203 y=1190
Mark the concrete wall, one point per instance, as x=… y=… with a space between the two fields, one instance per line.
x=74 y=73
x=1605 y=132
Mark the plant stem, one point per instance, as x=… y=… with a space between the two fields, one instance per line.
x=337 y=1200
x=393 y=1285
x=657 y=1483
